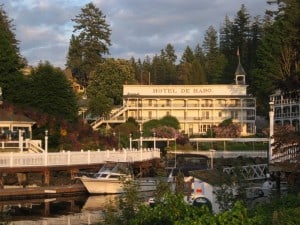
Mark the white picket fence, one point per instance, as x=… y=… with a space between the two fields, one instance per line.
x=68 y=158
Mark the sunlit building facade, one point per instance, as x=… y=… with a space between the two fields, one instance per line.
x=286 y=109
x=197 y=107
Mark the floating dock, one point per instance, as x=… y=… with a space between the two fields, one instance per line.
x=42 y=192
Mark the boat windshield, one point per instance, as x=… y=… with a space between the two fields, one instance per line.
x=114 y=168
x=107 y=167
x=122 y=169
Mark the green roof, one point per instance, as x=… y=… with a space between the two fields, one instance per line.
x=9 y=116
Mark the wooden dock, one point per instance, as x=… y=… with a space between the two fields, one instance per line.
x=42 y=192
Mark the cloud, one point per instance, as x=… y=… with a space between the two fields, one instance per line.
x=139 y=28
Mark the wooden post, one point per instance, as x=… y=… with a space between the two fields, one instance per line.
x=73 y=173
x=47 y=209
x=46 y=177
x=1 y=181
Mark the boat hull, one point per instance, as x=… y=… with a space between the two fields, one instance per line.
x=106 y=186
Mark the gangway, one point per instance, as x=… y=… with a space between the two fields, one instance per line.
x=250 y=172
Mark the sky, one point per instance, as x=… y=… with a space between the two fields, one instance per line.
x=140 y=28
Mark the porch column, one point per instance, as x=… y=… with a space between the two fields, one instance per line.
x=271 y=138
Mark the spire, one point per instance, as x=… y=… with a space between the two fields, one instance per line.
x=239 y=72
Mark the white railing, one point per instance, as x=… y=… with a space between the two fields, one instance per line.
x=10 y=144
x=288 y=153
x=68 y=158
x=34 y=146
x=26 y=144
x=250 y=172
x=226 y=154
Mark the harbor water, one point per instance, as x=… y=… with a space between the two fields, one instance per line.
x=77 y=210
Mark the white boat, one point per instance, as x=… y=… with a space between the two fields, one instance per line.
x=110 y=180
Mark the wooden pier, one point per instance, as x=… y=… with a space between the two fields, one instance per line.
x=42 y=192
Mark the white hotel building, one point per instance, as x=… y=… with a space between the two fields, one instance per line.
x=197 y=107
x=286 y=109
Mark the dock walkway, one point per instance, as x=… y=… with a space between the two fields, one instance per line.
x=42 y=192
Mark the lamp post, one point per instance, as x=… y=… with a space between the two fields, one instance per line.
x=114 y=145
x=212 y=153
x=21 y=140
x=271 y=141
x=154 y=140
x=175 y=152
x=141 y=140
x=46 y=141
x=119 y=140
x=130 y=141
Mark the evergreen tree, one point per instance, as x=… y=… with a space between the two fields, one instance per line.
x=75 y=61
x=146 y=71
x=210 y=48
x=10 y=60
x=256 y=34
x=240 y=39
x=184 y=73
x=170 y=54
x=226 y=47
x=199 y=55
x=240 y=31
x=226 y=37
x=93 y=41
x=165 y=69
x=187 y=56
x=235 y=35
x=50 y=92
x=197 y=74
x=278 y=54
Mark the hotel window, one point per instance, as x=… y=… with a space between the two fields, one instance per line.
x=220 y=114
x=150 y=115
x=168 y=102
x=221 y=102
x=205 y=114
x=168 y=113
x=234 y=114
x=232 y=103
x=130 y=102
x=150 y=102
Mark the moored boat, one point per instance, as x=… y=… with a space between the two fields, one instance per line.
x=110 y=180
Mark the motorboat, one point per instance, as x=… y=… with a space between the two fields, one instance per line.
x=110 y=179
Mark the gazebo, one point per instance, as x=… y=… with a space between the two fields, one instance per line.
x=11 y=124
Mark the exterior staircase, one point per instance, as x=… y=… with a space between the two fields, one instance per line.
x=111 y=118
x=34 y=146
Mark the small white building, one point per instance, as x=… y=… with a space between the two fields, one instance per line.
x=11 y=123
x=197 y=107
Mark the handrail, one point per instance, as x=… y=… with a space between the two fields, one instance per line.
x=226 y=154
x=249 y=172
x=68 y=158
x=289 y=153
x=35 y=146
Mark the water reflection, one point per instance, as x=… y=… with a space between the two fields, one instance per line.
x=77 y=210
